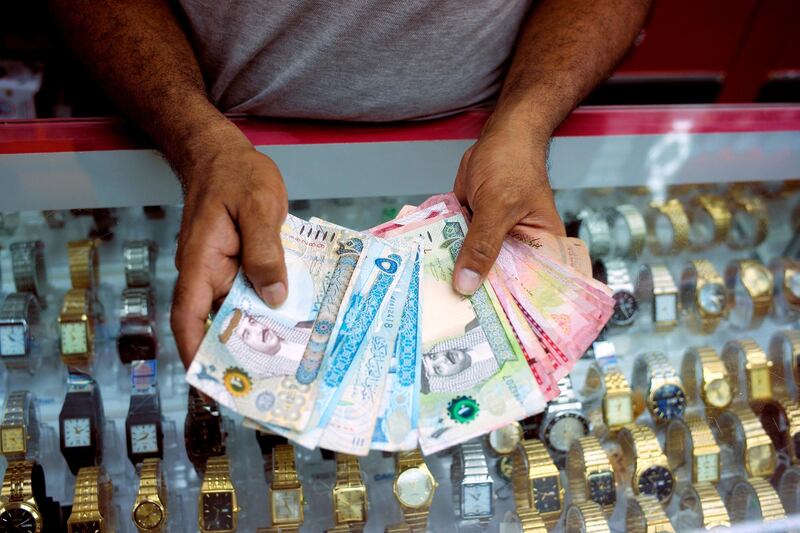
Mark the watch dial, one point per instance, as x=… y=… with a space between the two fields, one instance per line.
x=217 y=511
x=350 y=505
x=13 y=439
x=602 y=488
x=564 y=430
x=144 y=438
x=73 y=338
x=476 y=500
x=414 y=487
x=204 y=437
x=12 y=340
x=92 y=526
x=712 y=299
x=625 y=307
x=148 y=515
x=758 y=278
x=761 y=460
x=718 y=393
x=77 y=432
x=137 y=346
x=656 y=481
x=547 y=494
x=17 y=521
x=619 y=410
x=505 y=439
x=708 y=467
x=666 y=307
x=669 y=402
x=287 y=505
x=760 y=384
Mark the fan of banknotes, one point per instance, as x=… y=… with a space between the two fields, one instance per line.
x=373 y=349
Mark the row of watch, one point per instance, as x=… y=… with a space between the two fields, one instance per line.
x=739 y=220
x=748 y=292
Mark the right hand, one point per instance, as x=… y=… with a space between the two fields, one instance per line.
x=234 y=207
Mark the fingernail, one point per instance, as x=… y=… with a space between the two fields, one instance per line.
x=467 y=281
x=274 y=294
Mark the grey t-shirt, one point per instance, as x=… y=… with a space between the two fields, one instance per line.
x=371 y=60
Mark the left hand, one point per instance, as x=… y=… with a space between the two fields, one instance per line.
x=502 y=178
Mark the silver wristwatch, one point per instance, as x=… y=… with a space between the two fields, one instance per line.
x=472 y=485
x=594 y=231
x=656 y=289
x=137 y=335
x=563 y=421
x=19 y=432
x=27 y=264
x=618 y=279
x=139 y=259
x=665 y=394
x=19 y=317
x=628 y=230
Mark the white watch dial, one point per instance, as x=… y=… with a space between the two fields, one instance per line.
x=708 y=467
x=144 y=438
x=73 y=338
x=414 y=487
x=567 y=428
x=476 y=500
x=619 y=410
x=77 y=432
x=12 y=340
x=666 y=306
x=287 y=505
x=711 y=298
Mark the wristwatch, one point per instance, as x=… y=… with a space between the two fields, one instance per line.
x=616 y=393
x=614 y=273
x=92 y=508
x=669 y=227
x=27 y=264
x=786 y=274
x=628 y=230
x=202 y=430
x=789 y=489
x=594 y=231
x=536 y=482
x=563 y=420
x=749 y=369
x=137 y=335
x=350 y=503
x=741 y=429
x=750 y=286
x=139 y=261
x=589 y=473
x=472 y=485
x=691 y=441
x=644 y=514
x=523 y=521
x=703 y=296
x=286 y=492
x=22 y=497
x=217 y=505
x=656 y=289
x=80 y=423
x=709 y=221
x=144 y=433
x=76 y=329
x=149 y=512
x=19 y=432
x=414 y=487
x=754 y=499
x=649 y=465
x=784 y=353
x=504 y=440
x=705 y=503
x=705 y=378
x=266 y=443
x=585 y=517
x=84 y=264
x=781 y=420
x=749 y=222
x=19 y=318
x=663 y=387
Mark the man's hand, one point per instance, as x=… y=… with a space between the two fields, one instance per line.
x=503 y=180
x=235 y=205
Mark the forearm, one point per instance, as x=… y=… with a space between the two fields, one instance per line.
x=141 y=57
x=566 y=48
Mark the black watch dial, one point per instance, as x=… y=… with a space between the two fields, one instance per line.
x=546 y=494
x=625 y=308
x=134 y=346
x=217 y=511
x=86 y=527
x=602 y=489
x=657 y=481
x=17 y=521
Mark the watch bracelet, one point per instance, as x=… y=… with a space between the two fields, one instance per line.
x=83 y=264
x=711 y=507
x=348 y=470
x=673 y=210
x=699 y=436
x=531 y=521
x=587 y=517
x=532 y=455
x=641 y=447
x=586 y=456
x=644 y=514
x=740 y=428
x=736 y=355
x=18 y=481
x=27 y=265
x=284 y=470
x=768 y=500
x=217 y=475
x=139 y=259
x=637 y=227
x=717 y=208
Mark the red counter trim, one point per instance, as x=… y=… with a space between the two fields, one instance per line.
x=79 y=135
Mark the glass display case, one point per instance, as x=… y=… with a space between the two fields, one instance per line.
x=683 y=414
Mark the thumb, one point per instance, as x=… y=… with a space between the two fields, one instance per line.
x=481 y=246
x=262 y=251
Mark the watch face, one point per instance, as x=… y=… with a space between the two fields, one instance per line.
x=708 y=467
x=204 y=438
x=564 y=429
x=503 y=440
x=73 y=338
x=17 y=520
x=350 y=505
x=414 y=487
x=760 y=460
x=547 y=494
x=669 y=402
x=217 y=508
x=760 y=383
x=148 y=515
x=711 y=299
x=758 y=278
x=13 y=340
x=287 y=506
x=718 y=393
x=144 y=438
x=476 y=500
x=77 y=432
x=666 y=308
x=92 y=526
x=625 y=307
x=619 y=410
x=656 y=481
x=13 y=440
x=602 y=488
x=136 y=346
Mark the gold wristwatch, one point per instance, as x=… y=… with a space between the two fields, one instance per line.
x=754 y=499
x=704 y=298
x=504 y=440
x=84 y=271
x=19 y=433
x=648 y=467
x=350 y=505
x=668 y=227
x=705 y=377
x=536 y=481
x=92 y=508
x=149 y=512
x=585 y=517
x=414 y=487
x=691 y=440
x=23 y=484
x=286 y=492
x=644 y=514
x=589 y=473
x=749 y=221
x=710 y=220
x=751 y=285
x=741 y=429
x=704 y=501
x=76 y=329
x=784 y=352
x=749 y=370
x=616 y=393
x=525 y=521
x=218 y=507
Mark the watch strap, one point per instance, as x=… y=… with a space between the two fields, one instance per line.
x=586 y=456
x=532 y=461
x=27 y=265
x=152 y=488
x=674 y=212
x=640 y=448
x=758 y=490
x=530 y=521
x=139 y=261
x=703 y=499
x=83 y=264
x=637 y=228
x=93 y=491
x=655 y=281
x=644 y=514
x=595 y=231
x=284 y=469
x=586 y=517
x=217 y=476
x=717 y=208
x=741 y=429
x=741 y=357
x=684 y=438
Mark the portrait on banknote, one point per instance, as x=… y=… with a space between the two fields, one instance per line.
x=458 y=364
